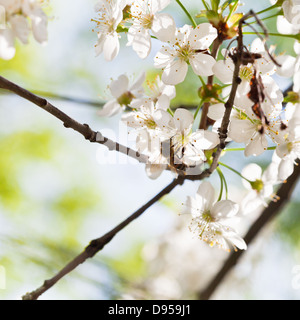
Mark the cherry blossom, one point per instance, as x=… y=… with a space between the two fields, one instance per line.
x=22 y=18
x=110 y=14
x=123 y=94
x=260 y=185
x=145 y=114
x=188 y=46
x=160 y=91
x=189 y=146
x=223 y=69
x=288 y=150
x=145 y=18
x=246 y=127
x=207 y=218
x=291 y=8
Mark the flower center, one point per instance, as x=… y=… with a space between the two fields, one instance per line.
x=185 y=52
x=150 y=124
x=207 y=217
x=147 y=121
x=257 y=185
x=290 y=147
x=246 y=73
x=125 y=98
x=181 y=140
x=147 y=20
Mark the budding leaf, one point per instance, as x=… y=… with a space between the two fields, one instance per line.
x=215 y=5
x=292 y=97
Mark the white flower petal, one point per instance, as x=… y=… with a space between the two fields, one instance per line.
x=119 y=86
x=250 y=203
x=223 y=70
x=235 y=240
x=164 y=27
x=158 y=5
x=202 y=36
x=154 y=170
x=224 y=209
x=141 y=42
x=164 y=57
x=287 y=63
x=257 y=46
x=7 y=48
x=202 y=64
x=175 y=72
x=252 y=172
x=20 y=26
x=257 y=145
x=282 y=150
x=138 y=82
x=111 y=46
x=285 y=169
x=183 y=119
x=163 y=102
x=284 y=27
x=110 y=109
x=39 y=24
x=205 y=195
x=205 y=140
x=241 y=130
x=216 y=111
x=165 y=122
x=192 y=207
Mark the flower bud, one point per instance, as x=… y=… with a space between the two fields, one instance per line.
x=257 y=185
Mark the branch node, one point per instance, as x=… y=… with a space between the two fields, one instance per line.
x=99 y=137
x=90 y=134
x=238 y=80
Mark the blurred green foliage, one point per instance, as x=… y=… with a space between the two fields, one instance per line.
x=15 y=150
x=45 y=234
x=288 y=224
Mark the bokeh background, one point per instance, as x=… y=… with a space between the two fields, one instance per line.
x=58 y=192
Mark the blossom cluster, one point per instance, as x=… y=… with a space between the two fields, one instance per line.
x=21 y=18
x=172 y=139
x=262 y=118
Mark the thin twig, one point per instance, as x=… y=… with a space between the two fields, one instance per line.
x=204 y=121
x=274 y=208
x=84 y=129
x=223 y=130
x=98 y=244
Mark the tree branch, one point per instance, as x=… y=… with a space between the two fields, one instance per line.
x=205 y=121
x=284 y=193
x=84 y=129
x=223 y=130
x=98 y=244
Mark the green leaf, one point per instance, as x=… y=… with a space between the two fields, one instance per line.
x=213 y=17
x=215 y=5
x=227 y=3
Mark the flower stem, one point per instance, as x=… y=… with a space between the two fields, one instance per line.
x=231 y=11
x=292 y=36
x=235 y=171
x=170 y=112
x=222 y=184
x=267 y=9
x=242 y=149
x=187 y=13
x=226 y=186
x=205 y=5
x=202 y=81
x=199 y=107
